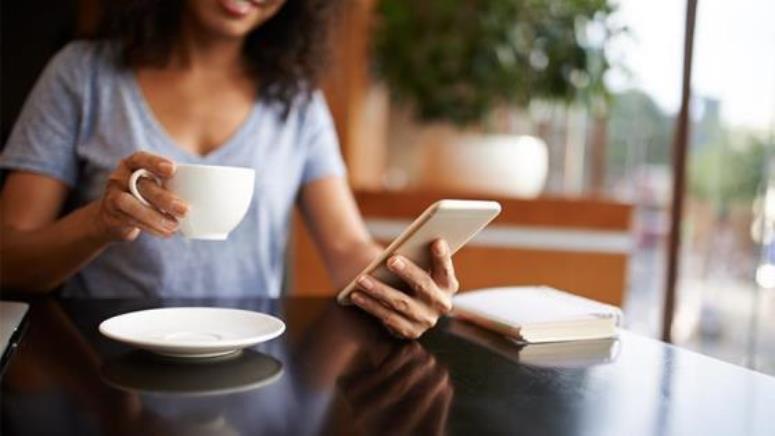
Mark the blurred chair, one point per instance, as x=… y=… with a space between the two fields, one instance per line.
x=578 y=245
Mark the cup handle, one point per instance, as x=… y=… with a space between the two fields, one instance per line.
x=135 y=177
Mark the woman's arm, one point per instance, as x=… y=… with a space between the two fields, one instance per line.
x=38 y=251
x=336 y=226
x=338 y=229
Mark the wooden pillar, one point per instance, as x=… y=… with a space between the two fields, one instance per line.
x=358 y=106
x=680 y=146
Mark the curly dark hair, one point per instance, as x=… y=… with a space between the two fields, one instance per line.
x=287 y=53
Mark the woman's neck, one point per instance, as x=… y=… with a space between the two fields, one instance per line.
x=201 y=52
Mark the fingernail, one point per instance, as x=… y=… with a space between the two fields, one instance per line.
x=179 y=207
x=356 y=297
x=440 y=248
x=365 y=282
x=397 y=264
x=166 y=167
x=170 y=225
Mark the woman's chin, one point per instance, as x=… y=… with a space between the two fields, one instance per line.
x=229 y=30
x=220 y=27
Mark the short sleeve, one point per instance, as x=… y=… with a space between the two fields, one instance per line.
x=318 y=136
x=44 y=137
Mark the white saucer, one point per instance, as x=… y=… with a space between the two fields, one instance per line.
x=192 y=332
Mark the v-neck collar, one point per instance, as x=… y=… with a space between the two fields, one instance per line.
x=157 y=129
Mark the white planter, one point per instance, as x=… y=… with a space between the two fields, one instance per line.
x=511 y=165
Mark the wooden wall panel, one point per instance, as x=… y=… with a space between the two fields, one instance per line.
x=307 y=275
x=577 y=213
x=599 y=276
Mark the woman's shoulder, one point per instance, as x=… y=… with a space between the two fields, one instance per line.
x=310 y=108
x=81 y=59
x=77 y=50
x=91 y=52
x=304 y=111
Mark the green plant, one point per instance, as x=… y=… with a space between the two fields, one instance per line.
x=637 y=129
x=455 y=60
x=724 y=173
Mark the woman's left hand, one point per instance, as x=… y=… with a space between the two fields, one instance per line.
x=410 y=315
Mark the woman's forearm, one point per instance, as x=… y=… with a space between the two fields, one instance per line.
x=38 y=260
x=351 y=261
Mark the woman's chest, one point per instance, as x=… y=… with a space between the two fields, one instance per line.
x=198 y=115
x=271 y=148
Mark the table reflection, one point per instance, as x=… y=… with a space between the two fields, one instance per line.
x=142 y=372
x=189 y=397
x=407 y=392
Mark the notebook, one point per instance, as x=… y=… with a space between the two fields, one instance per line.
x=538 y=314
x=571 y=354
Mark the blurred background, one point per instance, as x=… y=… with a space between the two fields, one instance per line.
x=567 y=110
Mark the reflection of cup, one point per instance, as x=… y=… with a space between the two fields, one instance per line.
x=141 y=372
x=218 y=197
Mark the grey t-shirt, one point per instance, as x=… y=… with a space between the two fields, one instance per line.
x=85 y=114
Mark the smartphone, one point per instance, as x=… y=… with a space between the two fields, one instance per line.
x=456 y=221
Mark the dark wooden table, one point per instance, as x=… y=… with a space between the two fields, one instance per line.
x=335 y=372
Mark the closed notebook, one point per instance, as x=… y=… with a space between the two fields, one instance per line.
x=569 y=354
x=538 y=314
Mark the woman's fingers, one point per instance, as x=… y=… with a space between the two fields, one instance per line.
x=157 y=196
x=119 y=178
x=423 y=285
x=132 y=227
x=398 y=301
x=162 y=199
x=129 y=233
x=396 y=323
x=431 y=298
x=145 y=217
x=158 y=165
x=443 y=271
x=121 y=217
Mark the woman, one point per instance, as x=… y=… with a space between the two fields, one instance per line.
x=221 y=82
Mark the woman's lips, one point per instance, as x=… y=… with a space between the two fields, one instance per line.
x=238 y=8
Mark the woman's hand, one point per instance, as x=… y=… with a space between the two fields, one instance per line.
x=409 y=315
x=120 y=216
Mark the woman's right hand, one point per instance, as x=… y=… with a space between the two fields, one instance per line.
x=120 y=216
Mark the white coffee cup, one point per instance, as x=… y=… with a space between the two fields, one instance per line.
x=218 y=197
